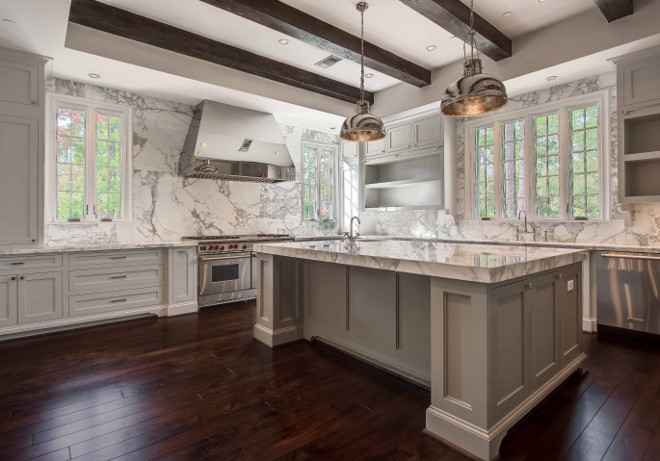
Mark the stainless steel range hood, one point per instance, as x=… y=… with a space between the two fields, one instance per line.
x=229 y=142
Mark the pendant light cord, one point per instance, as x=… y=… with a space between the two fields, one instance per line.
x=470 y=34
x=362 y=55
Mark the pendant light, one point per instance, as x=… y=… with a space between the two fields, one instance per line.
x=363 y=125
x=475 y=93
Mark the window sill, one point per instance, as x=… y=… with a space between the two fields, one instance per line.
x=89 y=222
x=540 y=220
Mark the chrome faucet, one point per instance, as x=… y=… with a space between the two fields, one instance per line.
x=525 y=229
x=351 y=236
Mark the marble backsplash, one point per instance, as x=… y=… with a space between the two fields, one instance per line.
x=644 y=229
x=166 y=206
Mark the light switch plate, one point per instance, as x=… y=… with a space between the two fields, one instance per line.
x=570 y=285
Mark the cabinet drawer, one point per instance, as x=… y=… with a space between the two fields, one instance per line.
x=23 y=263
x=90 y=304
x=117 y=258
x=96 y=280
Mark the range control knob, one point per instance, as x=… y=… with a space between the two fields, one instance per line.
x=216 y=247
x=245 y=247
x=222 y=247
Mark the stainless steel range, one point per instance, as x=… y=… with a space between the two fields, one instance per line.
x=227 y=266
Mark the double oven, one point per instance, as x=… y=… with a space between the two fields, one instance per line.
x=227 y=267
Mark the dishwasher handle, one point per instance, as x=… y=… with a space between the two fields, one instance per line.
x=631 y=256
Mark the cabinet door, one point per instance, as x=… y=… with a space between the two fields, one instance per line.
x=399 y=138
x=19 y=158
x=428 y=132
x=641 y=82
x=569 y=297
x=349 y=149
x=182 y=278
x=8 y=301
x=509 y=344
x=20 y=83
x=545 y=328
x=39 y=297
x=375 y=148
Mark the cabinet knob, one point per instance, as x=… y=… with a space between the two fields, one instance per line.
x=13 y=278
x=21 y=278
x=529 y=285
x=559 y=276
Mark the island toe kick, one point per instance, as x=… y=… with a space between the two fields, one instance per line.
x=489 y=352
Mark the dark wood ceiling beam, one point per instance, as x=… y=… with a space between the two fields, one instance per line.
x=106 y=18
x=298 y=24
x=615 y=9
x=454 y=17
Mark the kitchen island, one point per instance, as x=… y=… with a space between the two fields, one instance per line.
x=490 y=330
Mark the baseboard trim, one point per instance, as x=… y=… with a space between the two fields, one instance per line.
x=274 y=338
x=482 y=443
x=188 y=307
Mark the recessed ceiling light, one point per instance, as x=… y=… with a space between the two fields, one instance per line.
x=94 y=75
x=431 y=48
x=203 y=144
x=541 y=1
x=368 y=75
x=552 y=77
x=277 y=152
x=507 y=14
x=283 y=41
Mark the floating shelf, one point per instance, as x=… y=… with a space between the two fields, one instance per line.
x=642 y=156
x=401 y=183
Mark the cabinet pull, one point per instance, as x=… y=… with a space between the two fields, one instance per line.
x=118 y=257
x=529 y=285
x=17 y=263
x=636 y=320
x=122 y=300
x=559 y=276
x=21 y=278
x=114 y=277
x=630 y=256
x=13 y=278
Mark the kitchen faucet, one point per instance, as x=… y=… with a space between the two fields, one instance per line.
x=525 y=229
x=351 y=236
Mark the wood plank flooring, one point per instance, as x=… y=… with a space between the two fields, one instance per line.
x=198 y=387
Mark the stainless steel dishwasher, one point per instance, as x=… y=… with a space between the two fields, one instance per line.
x=628 y=290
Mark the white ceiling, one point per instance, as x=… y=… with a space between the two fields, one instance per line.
x=40 y=27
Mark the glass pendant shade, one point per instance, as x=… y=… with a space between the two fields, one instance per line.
x=473 y=94
x=362 y=126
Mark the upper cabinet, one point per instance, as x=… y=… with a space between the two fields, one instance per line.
x=638 y=107
x=22 y=93
x=349 y=149
x=408 y=138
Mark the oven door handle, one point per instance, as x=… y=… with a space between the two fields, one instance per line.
x=220 y=258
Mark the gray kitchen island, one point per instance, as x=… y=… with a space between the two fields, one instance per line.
x=491 y=330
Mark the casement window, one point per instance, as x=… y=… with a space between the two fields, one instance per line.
x=547 y=162
x=90 y=153
x=319 y=178
x=351 y=191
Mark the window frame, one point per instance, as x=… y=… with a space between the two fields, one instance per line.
x=564 y=108
x=336 y=175
x=92 y=108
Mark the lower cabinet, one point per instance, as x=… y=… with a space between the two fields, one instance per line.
x=90 y=304
x=183 y=269
x=534 y=333
x=8 y=301
x=30 y=298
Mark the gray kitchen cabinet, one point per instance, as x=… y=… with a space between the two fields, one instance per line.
x=399 y=137
x=510 y=341
x=8 y=300
x=428 y=132
x=375 y=148
x=22 y=93
x=183 y=278
x=569 y=296
x=19 y=165
x=39 y=297
x=350 y=149
x=544 y=327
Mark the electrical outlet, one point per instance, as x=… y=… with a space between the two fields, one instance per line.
x=570 y=285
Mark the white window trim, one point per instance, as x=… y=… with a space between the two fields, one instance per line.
x=52 y=101
x=563 y=106
x=337 y=175
x=343 y=225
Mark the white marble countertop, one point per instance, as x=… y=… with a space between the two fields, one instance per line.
x=94 y=247
x=471 y=262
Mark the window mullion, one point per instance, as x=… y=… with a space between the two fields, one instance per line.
x=497 y=165
x=530 y=167
x=90 y=169
x=564 y=167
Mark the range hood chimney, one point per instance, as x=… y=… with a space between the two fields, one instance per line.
x=232 y=143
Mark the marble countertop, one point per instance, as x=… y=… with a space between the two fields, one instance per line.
x=94 y=247
x=470 y=262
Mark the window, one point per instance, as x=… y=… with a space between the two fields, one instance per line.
x=544 y=161
x=350 y=178
x=319 y=181
x=91 y=157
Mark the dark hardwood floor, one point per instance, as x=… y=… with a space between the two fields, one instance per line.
x=199 y=387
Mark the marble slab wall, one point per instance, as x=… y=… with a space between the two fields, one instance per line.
x=165 y=205
x=644 y=230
